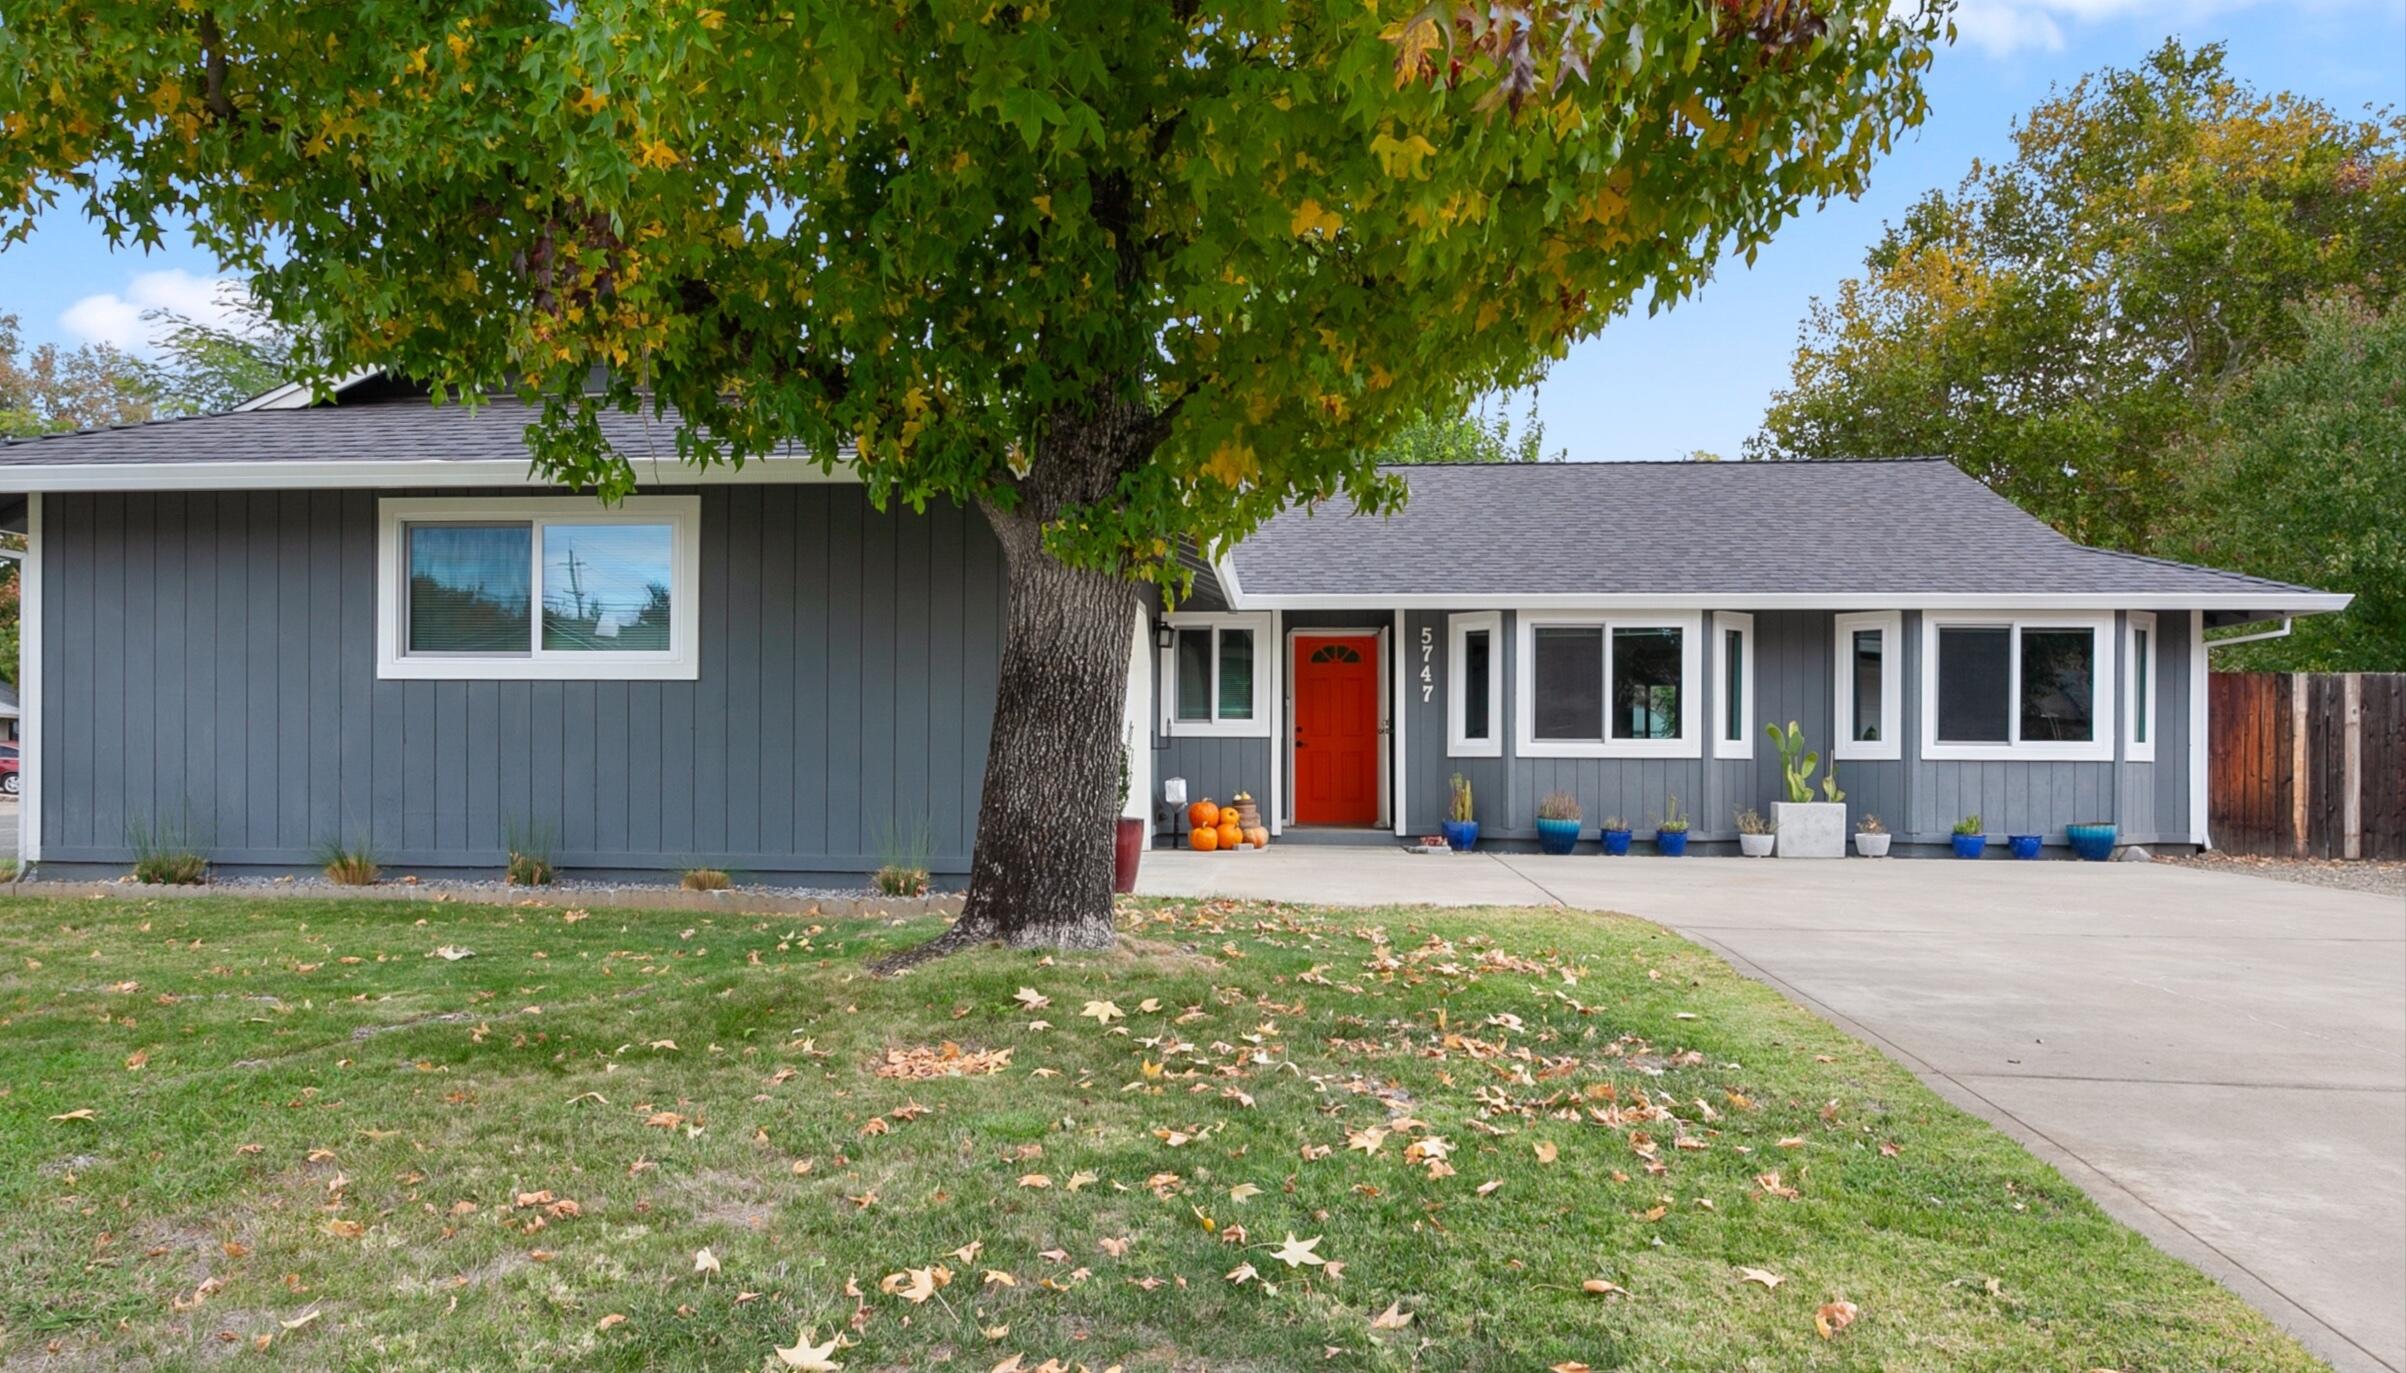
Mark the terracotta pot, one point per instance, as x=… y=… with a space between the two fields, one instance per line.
x=1127 y=848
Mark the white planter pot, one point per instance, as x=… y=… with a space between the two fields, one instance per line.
x=1810 y=829
x=1756 y=845
x=1872 y=845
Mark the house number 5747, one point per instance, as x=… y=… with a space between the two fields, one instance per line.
x=1428 y=655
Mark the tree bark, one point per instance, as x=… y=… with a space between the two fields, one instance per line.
x=1040 y=870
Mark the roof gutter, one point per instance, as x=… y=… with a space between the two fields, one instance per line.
x=2286 y=604
x=306 y=475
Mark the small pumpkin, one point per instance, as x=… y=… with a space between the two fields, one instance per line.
x=1231 y=836
x=1258 y=836
x=1203 y=814
x=1204 y=839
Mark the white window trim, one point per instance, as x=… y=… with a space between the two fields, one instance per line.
x=1890 y=744
x=2135 y=749
x=1723 y=622
x=2097 y=750
x=682 y=662
x=1264 y=645
x=1458 y=629
x=1688 y=744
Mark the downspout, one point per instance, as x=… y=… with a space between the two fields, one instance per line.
x=2260 y=636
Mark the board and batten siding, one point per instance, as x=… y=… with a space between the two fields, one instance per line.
x=210 y=667
x=1794 y=679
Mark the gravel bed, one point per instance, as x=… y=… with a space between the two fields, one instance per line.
x=2383 y=878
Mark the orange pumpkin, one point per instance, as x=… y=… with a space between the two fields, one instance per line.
x=1230 y=834
x=1258 y=836
x=1203 y=814
x=1204 y=839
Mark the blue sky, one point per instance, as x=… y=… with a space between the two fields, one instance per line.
x=1695 y=377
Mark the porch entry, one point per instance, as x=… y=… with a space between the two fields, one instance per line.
x=1337 y=739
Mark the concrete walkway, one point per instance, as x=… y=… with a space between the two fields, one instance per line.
x=2218 y=1059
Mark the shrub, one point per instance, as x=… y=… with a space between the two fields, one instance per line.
x=529 y=848
x=163 y=856
x=705 y=879
x=348 y=866
x=1969 y=824
x=1559 y=805
x=896 y=879
x=1751 y=821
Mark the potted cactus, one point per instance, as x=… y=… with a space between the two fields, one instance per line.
x=1806 y=828
x=1558 y=823
x=1871 y=837
x=1615 y=836
x=1671 y=836
x=1754 y=833
x=1461 y=829
x=1970 y=840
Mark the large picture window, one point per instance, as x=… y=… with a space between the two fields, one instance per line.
x=1605 y=687
x=1214 y=683
x=2018 y=687
x=1867 y=691
x=1474 y=685
x=539 y=587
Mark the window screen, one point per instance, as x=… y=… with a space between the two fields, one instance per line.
x=1194 y=674
x=1569 y=683
x=468 y=588
x=1866 y=685
x=1645 y=683
x=1974 y=662
x=2057 y=689
x=1478 y=651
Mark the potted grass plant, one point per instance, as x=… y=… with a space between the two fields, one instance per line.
x=1615 y=836
x=1871 y=837
x=1970 y=840
x=1671 y=836
x=1558 y=823
x=1754 y=833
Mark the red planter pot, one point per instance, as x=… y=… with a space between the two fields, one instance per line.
x=1127 y=846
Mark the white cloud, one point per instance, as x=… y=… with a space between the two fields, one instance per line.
x=2002 y=28
x=115 y=319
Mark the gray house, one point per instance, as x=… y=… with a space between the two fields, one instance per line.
x=296 y=624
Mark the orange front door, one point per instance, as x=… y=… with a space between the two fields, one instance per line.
x=1336 y=730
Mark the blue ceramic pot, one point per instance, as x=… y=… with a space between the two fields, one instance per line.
x=1970 y=845
x=2092 y=842
x=2023 y=845
x=1672 y=843
x=1557 y=836
x=1616 y=842
x=1461 y=835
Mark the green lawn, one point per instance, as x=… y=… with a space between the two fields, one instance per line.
x=222 y=1117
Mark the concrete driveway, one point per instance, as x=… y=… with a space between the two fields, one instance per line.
x=2218 y=1059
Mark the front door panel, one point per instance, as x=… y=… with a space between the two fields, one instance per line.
x=1336 y=730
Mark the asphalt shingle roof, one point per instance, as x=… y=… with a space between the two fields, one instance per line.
x=1917 y=527
x=408 y=429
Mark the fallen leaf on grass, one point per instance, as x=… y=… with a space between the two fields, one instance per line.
x=808 y=1357
x=79 y=1113
x=1601 y=1288
x=704 y=1261
x=301 y=1320
x=1243 y=1191
x=1295 y=1253
x=1034 y=1180
x=1031 y=998
x=1393 y=1318
x=1104 y=1012
x=614 y=1318
x=1546 y=1152
x=1834 y=1317
x=1768 y=1279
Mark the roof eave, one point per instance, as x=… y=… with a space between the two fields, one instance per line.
x=303 y=475
x=2268 y=602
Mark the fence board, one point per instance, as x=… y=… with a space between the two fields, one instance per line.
x=2277 y=756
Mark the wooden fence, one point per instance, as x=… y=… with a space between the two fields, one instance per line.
x=2309 y=765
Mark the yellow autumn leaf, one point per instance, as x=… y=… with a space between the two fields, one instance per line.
x=1311 y=217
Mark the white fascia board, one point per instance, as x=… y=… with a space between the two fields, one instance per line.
x=2308 y=603
x=294 y=395
x=382 y=473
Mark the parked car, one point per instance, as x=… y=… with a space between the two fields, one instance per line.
x=8 y=769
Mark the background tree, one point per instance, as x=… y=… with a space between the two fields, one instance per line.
x=1116 y=274
x=1471 y=436
x=48 y=388
x=2064 y=319
x=207 y=365
x=2302 y=476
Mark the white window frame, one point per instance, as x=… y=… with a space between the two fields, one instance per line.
x=681 y=663
x=1725 y=621
x=2134 y=708
x=1690 y=741
x=1265 y=649
x=1890 y=744
x=1458 y=629
x=2102 y=693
